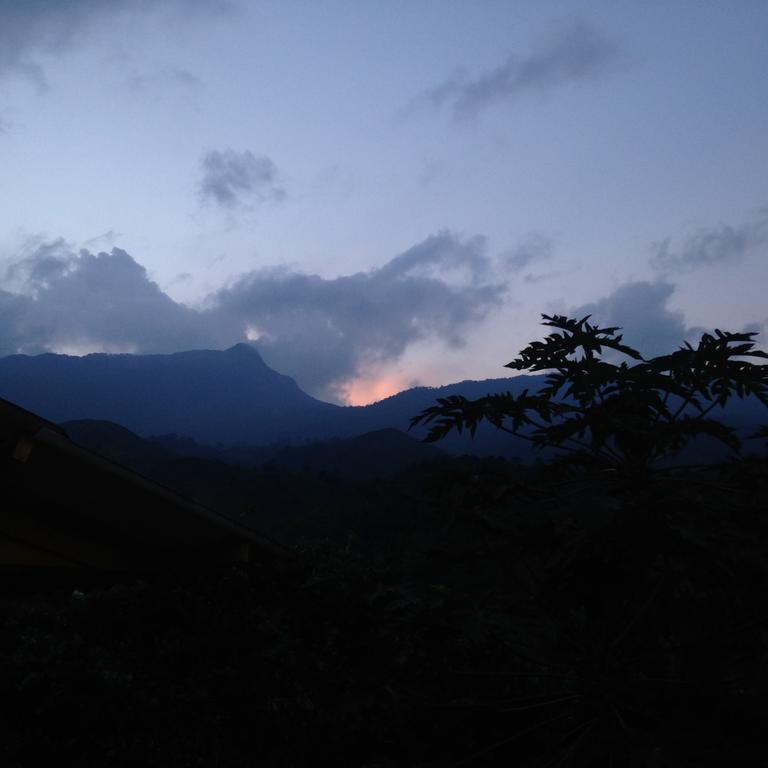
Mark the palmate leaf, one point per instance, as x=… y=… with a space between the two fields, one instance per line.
x=627 y=414
x=503 y=410
x=729 y=376
x=569 y=428
x=576 y=335
x=712 y=370
x=672 y=436
x=590 y=379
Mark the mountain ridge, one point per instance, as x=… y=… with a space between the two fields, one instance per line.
x=231 y=399
x=214 y=396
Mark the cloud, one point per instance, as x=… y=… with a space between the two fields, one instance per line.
x=712 y=246
x=535 y=249
x=233 y=179
x=329 y=330
x=30 y=29
x=578 y=52
x=323 y=332
x=68 y=301
x=441 y=254
x=163 y=77
x=642 y=309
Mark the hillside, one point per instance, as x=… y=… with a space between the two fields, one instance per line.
x=230 y=405
x=215 y=397
x=267 y=486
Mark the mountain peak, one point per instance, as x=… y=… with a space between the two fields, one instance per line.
x=243 y=347
x=246 y=353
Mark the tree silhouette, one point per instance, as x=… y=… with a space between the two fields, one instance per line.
x=614 y=416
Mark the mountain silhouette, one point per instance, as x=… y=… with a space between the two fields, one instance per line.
x=232 y=400
x=215 y=397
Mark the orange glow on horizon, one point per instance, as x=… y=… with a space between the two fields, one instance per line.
x=363 y=391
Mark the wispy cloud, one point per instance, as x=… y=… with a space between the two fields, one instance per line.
x=232 y=179
x=578 y=52
x=531 y=251
x=163 y=77
x=706 y=247
x=30 y=29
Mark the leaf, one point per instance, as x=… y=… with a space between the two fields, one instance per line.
x=628 y=415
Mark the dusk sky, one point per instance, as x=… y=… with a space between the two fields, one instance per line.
x=379 y=194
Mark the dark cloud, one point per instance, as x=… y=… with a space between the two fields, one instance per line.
x=712 y=246
x=14 y=308
x=65 y=300
x=38 y=262
x=233 y=179
x=31 y=28
x=320 y=331
x=641 y=308
x=578 y=52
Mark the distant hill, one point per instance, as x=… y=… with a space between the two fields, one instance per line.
x=230 y=405
x=215 y=397
x=118 y=444
x=381 y=453
x=268 y=485
x=397 y=410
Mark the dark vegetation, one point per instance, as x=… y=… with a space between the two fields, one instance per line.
x=603 y=608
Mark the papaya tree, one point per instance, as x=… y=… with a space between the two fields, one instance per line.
x=626 y=415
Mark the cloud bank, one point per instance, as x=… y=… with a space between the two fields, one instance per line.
x=578 y=52
x=80 y=302
x=329 y=334
x=323 y=332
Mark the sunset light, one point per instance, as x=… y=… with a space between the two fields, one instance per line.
x=362 y=391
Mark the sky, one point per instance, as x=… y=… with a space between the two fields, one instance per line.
x=379 y=194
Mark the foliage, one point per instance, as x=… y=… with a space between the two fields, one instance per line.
x=471 y=613
x=616 y=416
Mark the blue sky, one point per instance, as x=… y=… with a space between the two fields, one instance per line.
x=378 y=194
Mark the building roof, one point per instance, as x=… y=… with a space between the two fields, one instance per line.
x=66 y=507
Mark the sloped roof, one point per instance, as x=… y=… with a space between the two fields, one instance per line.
x=64 y=506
